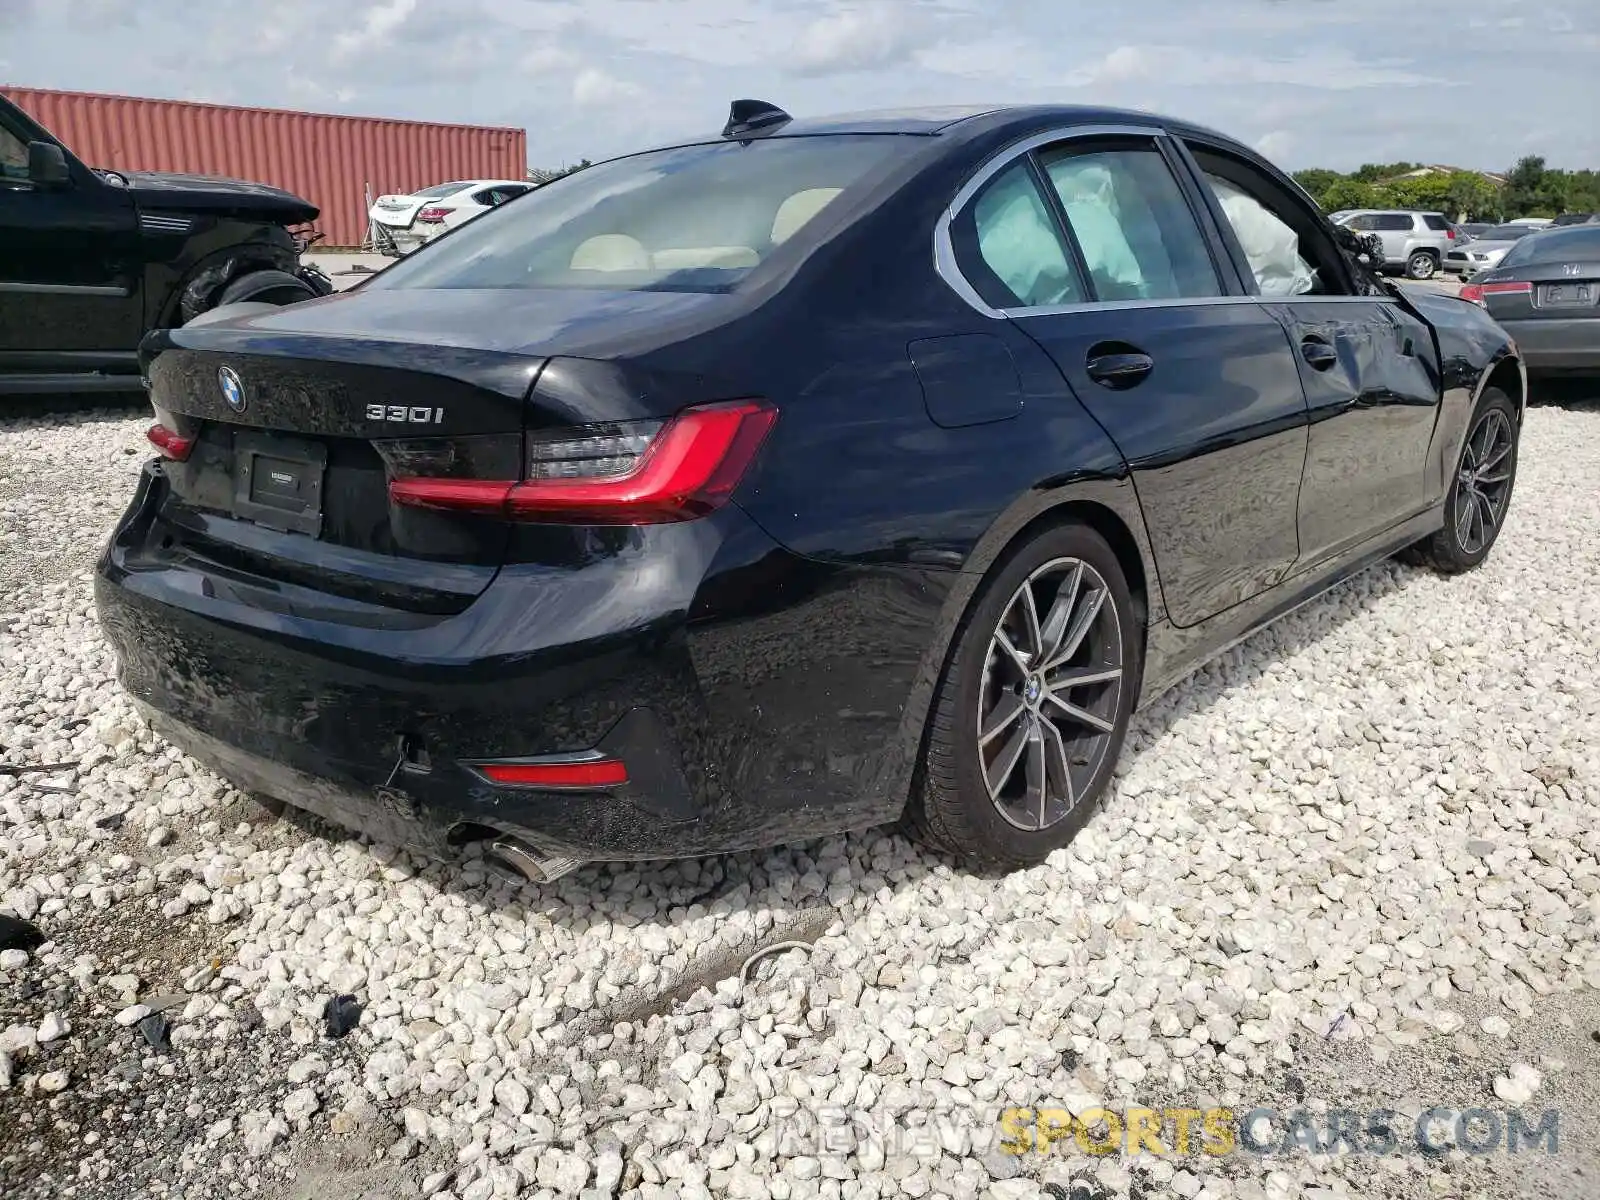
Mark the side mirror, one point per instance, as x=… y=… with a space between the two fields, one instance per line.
x=47 y=165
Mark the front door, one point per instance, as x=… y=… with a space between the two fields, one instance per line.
x=1367 y=364
x=70 y=274
x=1198 y=388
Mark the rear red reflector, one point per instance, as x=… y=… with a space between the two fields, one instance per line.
x=172 y=445
x=486 y=496
x=588 y=773
x=686 y=470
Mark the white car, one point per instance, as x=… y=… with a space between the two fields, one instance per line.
x=402 y=223
x=1485 y=251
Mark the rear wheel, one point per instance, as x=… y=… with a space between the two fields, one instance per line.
x=1480 y=494
x=1421 y=265
x=1034 y=704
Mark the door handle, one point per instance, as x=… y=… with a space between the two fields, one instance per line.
x=1318 y=354
x=1120 y=369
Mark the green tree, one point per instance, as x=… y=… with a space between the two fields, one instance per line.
x=1526 y=187
x=1377 y=172
x=1317 y=180
x=1347 y=193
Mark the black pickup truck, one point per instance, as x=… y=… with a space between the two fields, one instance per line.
x=92 y=260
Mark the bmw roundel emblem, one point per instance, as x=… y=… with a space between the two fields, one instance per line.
x=232 y=388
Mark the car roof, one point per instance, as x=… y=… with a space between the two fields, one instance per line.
x=975 y=118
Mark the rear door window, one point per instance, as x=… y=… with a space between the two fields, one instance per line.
x=1139 y=238
x=1392 y=222
x=1009 y=247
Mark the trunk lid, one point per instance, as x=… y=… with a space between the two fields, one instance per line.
x=295 y=436
x=297 y=420
x=397 y=212
x=1562 y=290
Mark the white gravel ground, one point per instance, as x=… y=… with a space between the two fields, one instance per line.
x=1353 y=864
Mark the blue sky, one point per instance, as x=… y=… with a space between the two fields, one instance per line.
x=1309 y=82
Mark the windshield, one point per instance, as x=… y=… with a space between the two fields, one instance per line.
x=1508 y=233
x=692 y=219
x=1575 y=243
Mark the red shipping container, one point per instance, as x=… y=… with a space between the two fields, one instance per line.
x=330 y=160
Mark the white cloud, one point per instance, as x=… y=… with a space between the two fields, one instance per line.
x=1182 y=66
x=378 y=24
x=858 y=37
x=1276 y=143
x=1346 y=81
x=593 y=86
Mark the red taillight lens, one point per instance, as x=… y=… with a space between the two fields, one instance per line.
x=585 y=773
x=1476 y=292
x=433 y=215
x=1450 y=235
x=172 y=445
x=636 y=473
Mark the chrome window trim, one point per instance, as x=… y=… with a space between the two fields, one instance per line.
x=1055 y=310
x=944 y=253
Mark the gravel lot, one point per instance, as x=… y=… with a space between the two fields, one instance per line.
x=1353 y=864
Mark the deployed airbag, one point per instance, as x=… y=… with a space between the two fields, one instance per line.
x=1272 y=248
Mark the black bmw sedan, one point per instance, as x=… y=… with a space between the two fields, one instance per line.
x=818 y=475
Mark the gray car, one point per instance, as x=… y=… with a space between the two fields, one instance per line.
x=1414 y=241
x=1485 y=252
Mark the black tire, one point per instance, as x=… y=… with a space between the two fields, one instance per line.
x=266 y=287
x=1453 y=548
x=1423 y=264
x=954 y=808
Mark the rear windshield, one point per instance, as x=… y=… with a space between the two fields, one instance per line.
x=1508 y=233
x=1575 y=243
x=442 y=189
x=690 y=219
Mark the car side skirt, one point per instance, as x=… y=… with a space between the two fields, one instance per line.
x=1172 y=654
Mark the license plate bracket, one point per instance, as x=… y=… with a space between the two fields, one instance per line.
x=1567 y=295
x=277 y=482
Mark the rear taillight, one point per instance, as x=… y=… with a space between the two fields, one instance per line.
x=1450 y=234
x=1472 y=292
x=433 y=215
x=629 y=473
x=596 y=772
x=172 y=445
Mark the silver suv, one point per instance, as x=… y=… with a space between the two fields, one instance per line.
x=1415 y=241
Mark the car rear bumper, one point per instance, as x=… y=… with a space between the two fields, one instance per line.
x=372 y=727
x=1571 y=344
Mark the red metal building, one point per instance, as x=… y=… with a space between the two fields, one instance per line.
x=330 y=160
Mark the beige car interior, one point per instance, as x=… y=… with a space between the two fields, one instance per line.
x=621 y=252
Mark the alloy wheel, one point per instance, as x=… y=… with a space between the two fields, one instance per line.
x=1483 y=483
x=1050 y=693
x=1421 y=266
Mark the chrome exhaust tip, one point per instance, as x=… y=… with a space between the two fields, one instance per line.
x=523 y=864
